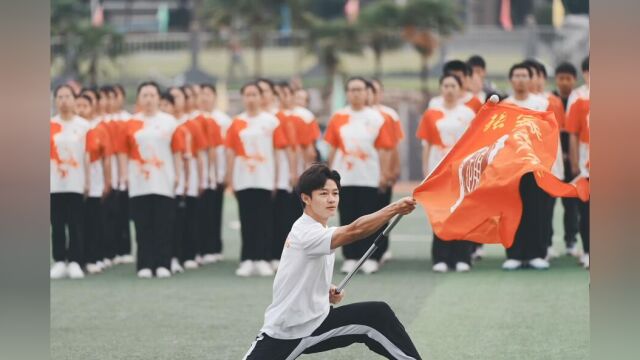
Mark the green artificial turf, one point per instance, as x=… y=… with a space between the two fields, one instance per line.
x=210 y=313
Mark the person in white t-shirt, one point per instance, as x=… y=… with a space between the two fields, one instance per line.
x=69 y=184
x=361 y=146
x=251 y=172
x=301 y=318
x=530 y=243
x=440 y=129
x=122 y=230
x=153 y=147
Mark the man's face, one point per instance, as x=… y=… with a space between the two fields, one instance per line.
x=83 y=108
x=520 y=80
x=479 y=71
x=323 y=202
x=565 y=83
x=207 y=99
x=357 y=93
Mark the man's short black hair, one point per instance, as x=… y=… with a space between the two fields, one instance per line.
x=315 y=177
x=585 y=64
x=354 y=78
x=209 y=86
x=514 y=67
x=166 y=95
x=566 y=68
x=477 y=60
x=457 y=65
x=250 y=83
x=269 y=82
x=534 y=65
x=148 y=83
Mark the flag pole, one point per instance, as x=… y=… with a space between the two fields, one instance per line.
x=369 y=252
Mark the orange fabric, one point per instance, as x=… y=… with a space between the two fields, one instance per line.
x=126 y=142
x=280 y=140
x=474 y=104
x=577 y=121
x=332 y=135
x=289 y=128
x=474 y=193
x=197 y=129
x=555 y=105
x=211 y=130
x=98 y=142
x=232 y=140
x=387 y=135
x=182 y=140
x=427 y=130
x=53 y=149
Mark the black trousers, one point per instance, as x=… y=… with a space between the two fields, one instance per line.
x=547 y=217
x=451 y=251
x=95 y=229
x=121 y=220
x=383 y=245
x=530 y=240
x=67 y=214
x=192 y=227
x=111 y=232
x=179 y=228
x=584 y=225
x=371 y=323
x=216 y=220
x=356 y=201
x=570 y=205
x=287 y=209
x=204 y=216
x=256 y=223
x=153 y=216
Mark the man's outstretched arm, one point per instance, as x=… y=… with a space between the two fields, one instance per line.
x=368 y=224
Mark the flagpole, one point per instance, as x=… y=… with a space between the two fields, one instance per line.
x=369 y=252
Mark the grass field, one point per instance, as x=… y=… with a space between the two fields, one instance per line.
x=211 y=314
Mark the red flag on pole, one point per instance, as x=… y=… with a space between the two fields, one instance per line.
x=473 y=194
x=505 y=15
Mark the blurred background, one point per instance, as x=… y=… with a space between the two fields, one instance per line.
x=315 y=44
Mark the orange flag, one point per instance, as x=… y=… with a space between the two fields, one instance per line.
x=473 y=194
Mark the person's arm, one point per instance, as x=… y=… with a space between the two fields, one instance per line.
x=106 y=166
x=426 y=148
x=123 y=171
x=231 y=157
x=368 y=224
x=293 y=165
x=213 y=161
x=395 y=164
x=200 y=159
x=87 y=178
x=331 y=157
x=573 y=154
x=177 y=168
x=385 y=168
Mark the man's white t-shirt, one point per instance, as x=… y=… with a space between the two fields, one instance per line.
x=301 y=286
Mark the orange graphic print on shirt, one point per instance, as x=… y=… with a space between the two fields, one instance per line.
x=62 y=157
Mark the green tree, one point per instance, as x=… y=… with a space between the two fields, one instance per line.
x=421 y=21
x=380 y=22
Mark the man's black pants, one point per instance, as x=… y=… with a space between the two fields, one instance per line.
x=371 y=323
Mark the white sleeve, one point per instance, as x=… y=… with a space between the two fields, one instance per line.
x=317 y=241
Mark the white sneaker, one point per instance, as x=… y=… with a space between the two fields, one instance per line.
x=75 y=271
x=511 y=264
x=462 y=267
x=100 y=264
x=275 y=264
x=127 y=259
x=117 y=260
x=163 y=272
x=219 y=257
x=145 y=274
x=209 y=259
x=263 y=268
x=245 y=269
x=190 y=265
x=574 y=250
x=58 y=270
x=539 y=264
x=369 y=266
x=348 y=266
x=93 y=269
x=386 y=257
x=584 y=260
x=551 y=253
x=440 y=267
x=107 y=262
x=199 y=259
x=175 y=266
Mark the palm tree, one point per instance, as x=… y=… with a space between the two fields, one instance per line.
x=380 y=21
x=421 y=21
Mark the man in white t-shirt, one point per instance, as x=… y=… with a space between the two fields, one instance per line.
x=301 y=320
